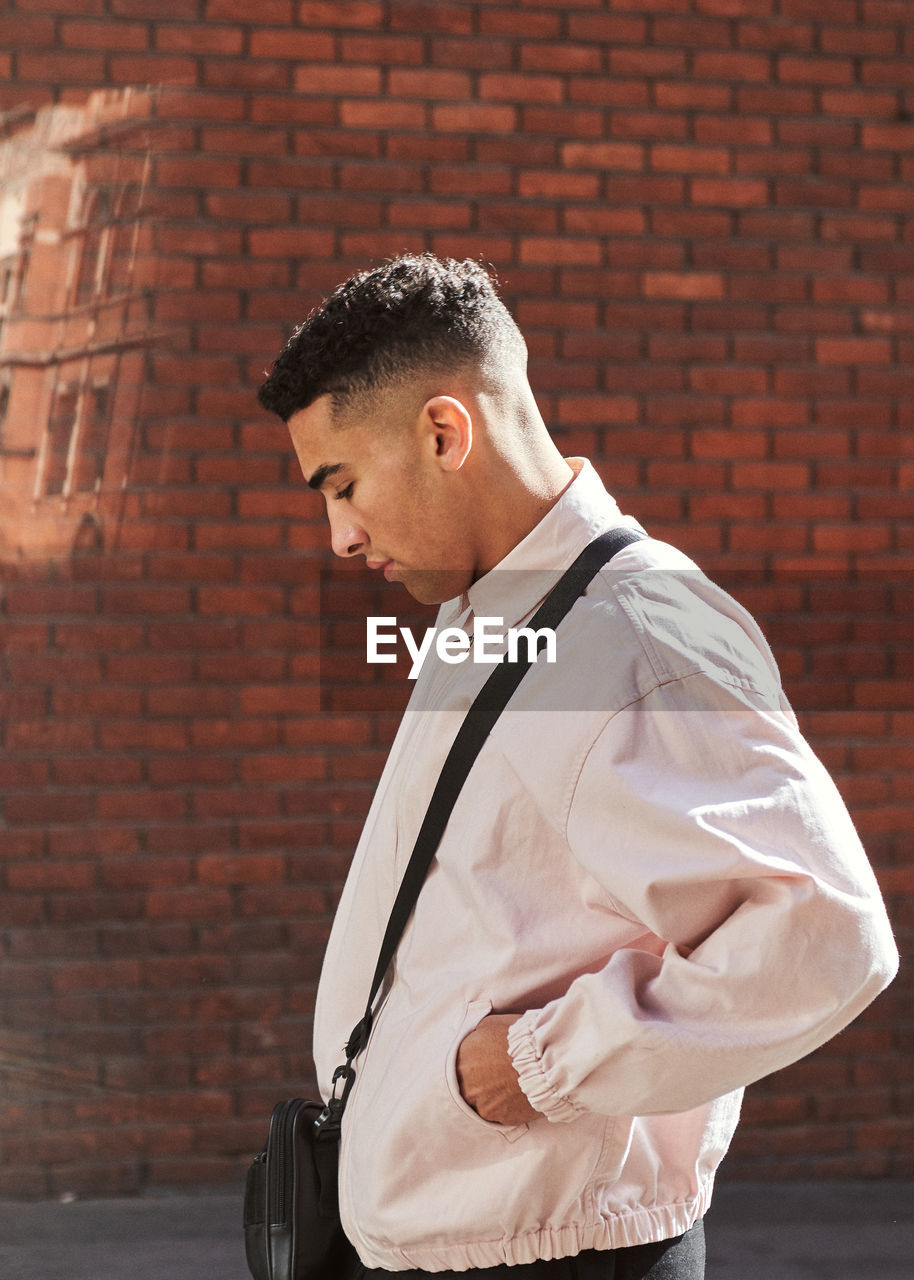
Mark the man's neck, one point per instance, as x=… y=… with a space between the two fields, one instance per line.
x=521 y=499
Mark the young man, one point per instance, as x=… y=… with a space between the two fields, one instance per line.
x=649 y=892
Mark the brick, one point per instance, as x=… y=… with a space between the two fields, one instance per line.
x=819 y=70
x=768 y=411
x=731 y=65
x=775 y=35
x=142 y=9
x=281 y=242
x=899 y=136
x=104 y=35
x=734 y=192
x=65 y=67
x=197 y=38
x=515 y=149
x=298 y=45
x=685 y=285
x=549 y=184
x=67 y=877
x=603 y=155
x=779 y=162
x=274 y=109
x=339 y=13
x=647 y=63
x=691 y=31
x=647 y=124
x=153 y=69
x=885 y=11
x=765 y=289
x=606 y=91
x=544 y=25
x=729 y=444
x=562 y=120
x=714 y=129
x=410 y=83
x=208 y=241
x=601 y=409
x=552 y=249
x=413 y=147
x=859 y=102
x=853 y=351
x=273 y=12
x=427 y=17
x=18 y=30
x=424 y=214
x=188 y=904
x=472 y=54
x=382 y=115
x=505 y=87
x=609 y=29
x=684 y=95
x=53 y=809
x=856 y=289
x=243 y=73
x=144 y=600
x=241 y=869
x=575 y=58
x=690 y=159
x=23 y=773
x=884 y=198
x=735 y=8
x=891 y=72
x=776 y=100
x=771 y=475
x=474 y=117
x=320 y=79
x=838 y=10
x=859 y=39
x=54 y=600
x=604 y=221
x=383 y=49
x=268 y=700
x=64 y=6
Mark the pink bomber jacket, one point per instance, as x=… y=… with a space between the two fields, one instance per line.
x=647 y=863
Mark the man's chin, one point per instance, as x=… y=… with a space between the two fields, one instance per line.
x=431 y=586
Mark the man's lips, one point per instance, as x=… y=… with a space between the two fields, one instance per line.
x=385 y=565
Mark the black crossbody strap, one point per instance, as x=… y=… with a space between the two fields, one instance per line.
x=477 y=724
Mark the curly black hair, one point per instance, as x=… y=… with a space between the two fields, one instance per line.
x=416 y=311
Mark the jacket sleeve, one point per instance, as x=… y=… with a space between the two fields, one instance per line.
x=705 y=816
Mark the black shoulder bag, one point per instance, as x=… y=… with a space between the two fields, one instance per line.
x=292 y=1225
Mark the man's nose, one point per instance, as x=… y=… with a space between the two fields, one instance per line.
x=346 y=538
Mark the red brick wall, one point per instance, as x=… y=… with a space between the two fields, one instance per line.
x=701 y=212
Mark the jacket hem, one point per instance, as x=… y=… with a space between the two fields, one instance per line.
x=620 y=1231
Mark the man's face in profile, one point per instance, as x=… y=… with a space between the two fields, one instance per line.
x=385 y=497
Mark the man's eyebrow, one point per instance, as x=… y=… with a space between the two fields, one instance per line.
x=323 y=473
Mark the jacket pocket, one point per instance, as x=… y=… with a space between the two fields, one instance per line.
x=474 y=1013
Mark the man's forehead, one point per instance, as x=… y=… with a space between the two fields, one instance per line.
x=316 y=442
x=315 y=420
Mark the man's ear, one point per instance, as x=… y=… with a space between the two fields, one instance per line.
x=448 y=430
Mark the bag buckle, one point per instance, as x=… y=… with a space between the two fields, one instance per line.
x=327 y=1124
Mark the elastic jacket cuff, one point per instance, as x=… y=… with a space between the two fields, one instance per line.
x=532 y=1075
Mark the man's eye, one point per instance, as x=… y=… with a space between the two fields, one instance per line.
x=345 y=493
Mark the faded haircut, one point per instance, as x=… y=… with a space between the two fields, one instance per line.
x=415 y=312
